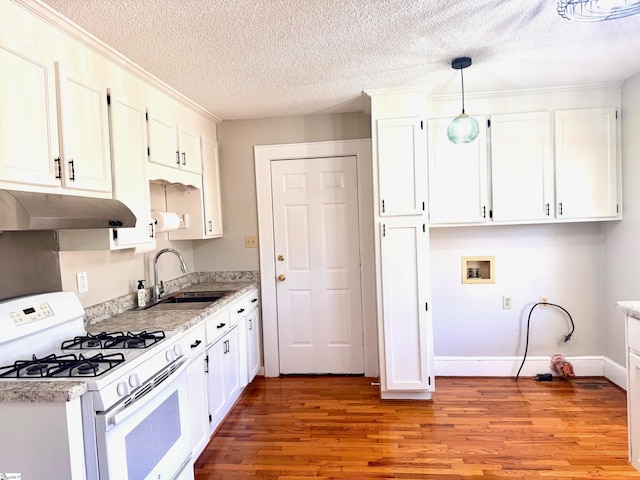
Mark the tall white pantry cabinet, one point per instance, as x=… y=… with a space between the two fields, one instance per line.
x=402 y=246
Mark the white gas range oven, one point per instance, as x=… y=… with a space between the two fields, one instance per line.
x=132 y=421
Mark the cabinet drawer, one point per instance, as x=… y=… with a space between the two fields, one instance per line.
x=633 y=333
x=239 y=309
x=194 y=341
x=217 y=326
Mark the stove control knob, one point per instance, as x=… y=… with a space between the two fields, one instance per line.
x=122 y=389
x=169 y=355
x=134 y=380
x=177 y=349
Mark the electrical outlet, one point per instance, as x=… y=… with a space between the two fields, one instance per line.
x=544 y=299
x=251 y=241
x=506 y=302
x=82 y=281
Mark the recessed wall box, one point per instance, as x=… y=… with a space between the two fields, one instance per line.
x=478 y=270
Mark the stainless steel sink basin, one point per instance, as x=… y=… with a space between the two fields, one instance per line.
x=186 y=300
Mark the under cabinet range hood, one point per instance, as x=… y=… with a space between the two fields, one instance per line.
x=20 y=211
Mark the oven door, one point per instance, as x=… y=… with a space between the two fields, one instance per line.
x=146 y=436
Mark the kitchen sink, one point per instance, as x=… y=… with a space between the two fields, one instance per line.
x=186 y=300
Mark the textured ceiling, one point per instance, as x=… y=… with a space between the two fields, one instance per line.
x=264 y=58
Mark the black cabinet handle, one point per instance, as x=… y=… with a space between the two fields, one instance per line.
x=59 y=162
x=196 y=343
x=178 y=157
x=184 y=158
x=210 y=225
x=73 y=171
x=220 y=325
x=241 y=310
x=254 y=300
x=560 y=205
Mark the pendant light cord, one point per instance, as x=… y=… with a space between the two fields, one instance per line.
x=462 y=81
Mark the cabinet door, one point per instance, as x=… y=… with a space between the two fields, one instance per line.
x=28 y=116
x=633 y=394
x=129 y=154
x=586 y=163
x=198 y=403
x=189 y=146
x=84 y=132
x=522 y=167
x=401 y=166
x=254 y=344
x=217 y=392
x=163 y=139
x=406 y=352
x=232 y=365
x=458 y=176
x=211 y=188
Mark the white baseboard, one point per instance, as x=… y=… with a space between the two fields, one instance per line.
x=583 y=366
x=615 y=372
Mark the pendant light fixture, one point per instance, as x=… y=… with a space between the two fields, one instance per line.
x=463 y=128
x=597 y=10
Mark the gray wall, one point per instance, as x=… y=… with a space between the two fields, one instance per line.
x=236 y=140
x=622 y=261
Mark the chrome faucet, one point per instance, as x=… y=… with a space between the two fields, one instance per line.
x=158 y=287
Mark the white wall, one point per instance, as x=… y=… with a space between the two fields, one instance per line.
x=236 y=140
x=621 y=240
x=564 y=262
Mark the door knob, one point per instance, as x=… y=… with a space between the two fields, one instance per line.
x=281 y=258
x=282 y=277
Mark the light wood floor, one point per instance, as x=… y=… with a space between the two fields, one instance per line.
x=474 y=428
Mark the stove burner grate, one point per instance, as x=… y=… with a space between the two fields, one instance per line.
x=113 y=340
x=70 y=365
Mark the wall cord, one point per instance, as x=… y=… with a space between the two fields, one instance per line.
x=566 y=338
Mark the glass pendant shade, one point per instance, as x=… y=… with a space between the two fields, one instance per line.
x=463 y=129
x=597 y=10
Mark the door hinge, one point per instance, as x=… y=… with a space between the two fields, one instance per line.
x=108 y=99
x=146 y=116
x=384 y=230
x=206 y=368
x=382 y=206
x=616 y=114
x=148 y=151
x=421 y=125
x=488 y=123
x=617 y=208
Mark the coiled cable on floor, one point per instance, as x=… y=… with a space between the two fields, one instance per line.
x=566 y=338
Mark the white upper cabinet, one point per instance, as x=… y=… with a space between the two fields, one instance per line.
x=211 y=188
x=586 y=163
x=84 y=132
x=28 y=105
x=401 y=144
x=172 y=143
x=522 y=167
x=458 y=176
x=129 y=154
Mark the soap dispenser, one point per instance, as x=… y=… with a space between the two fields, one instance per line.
x=142 y=300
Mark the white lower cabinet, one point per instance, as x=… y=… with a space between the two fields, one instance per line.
x=633 y=388
x=406 y=346
x=224 y=376
x=194 y=346
x=254 y=344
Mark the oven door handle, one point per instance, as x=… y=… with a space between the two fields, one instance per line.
x=125 y=409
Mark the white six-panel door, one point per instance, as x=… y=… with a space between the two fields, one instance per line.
x=317 y=265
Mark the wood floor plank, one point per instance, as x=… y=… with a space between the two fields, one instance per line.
x=293 y=428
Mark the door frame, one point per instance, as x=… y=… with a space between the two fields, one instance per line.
x=264 y=155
